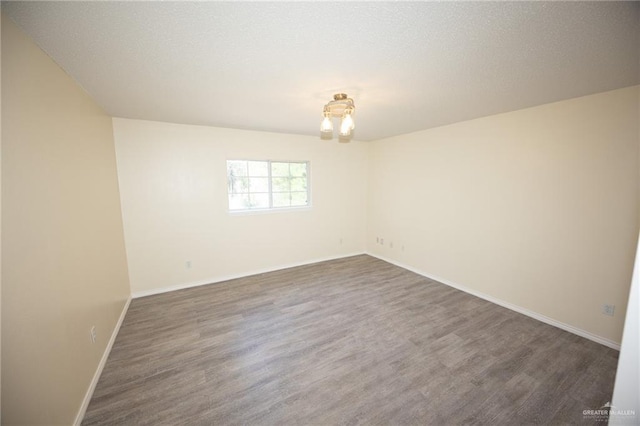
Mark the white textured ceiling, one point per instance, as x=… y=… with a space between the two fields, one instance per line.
x=272 y=66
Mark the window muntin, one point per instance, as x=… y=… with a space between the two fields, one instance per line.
x=267 y=185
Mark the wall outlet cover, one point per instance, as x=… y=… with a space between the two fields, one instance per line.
x=608 y=309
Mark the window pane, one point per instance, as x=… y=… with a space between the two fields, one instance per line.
x=299 y=199
x=266 y=185
x=236 y=168
x=280 y=185
x=258 y=168
x=258 y=184
x=259 y=201
x=238 y=185
x=280 y=169
x=298 y=184
x=238 y=201
x=298 y=169
x=281 y=199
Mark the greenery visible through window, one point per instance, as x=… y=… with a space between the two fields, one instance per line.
x=255 y=185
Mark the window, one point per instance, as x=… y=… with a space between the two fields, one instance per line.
x=260 y=185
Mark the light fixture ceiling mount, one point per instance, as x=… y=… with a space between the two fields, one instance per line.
x=341 y=107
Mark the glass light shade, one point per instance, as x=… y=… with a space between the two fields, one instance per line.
x=346 y=125
x=327 y=125
x=349 y=117
x=344 y=139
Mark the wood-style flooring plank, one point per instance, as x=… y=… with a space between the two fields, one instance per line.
x=345 y=342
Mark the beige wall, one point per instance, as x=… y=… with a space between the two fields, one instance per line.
x=537 y=207
x=174 y=203
x=64 y=265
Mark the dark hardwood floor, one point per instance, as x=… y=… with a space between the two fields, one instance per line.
x=350 y=341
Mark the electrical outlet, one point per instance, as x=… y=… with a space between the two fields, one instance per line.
x=608 y=309
x=92 y=334
x=187 y=264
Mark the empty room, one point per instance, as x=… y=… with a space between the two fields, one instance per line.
x=320 y=213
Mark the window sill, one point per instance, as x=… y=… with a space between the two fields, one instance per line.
x=268 y=211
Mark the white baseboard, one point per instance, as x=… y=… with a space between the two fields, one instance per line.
x=566 y=327
x=103 y=361
x=215 y=280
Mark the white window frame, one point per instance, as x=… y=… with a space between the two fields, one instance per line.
x=271 y=208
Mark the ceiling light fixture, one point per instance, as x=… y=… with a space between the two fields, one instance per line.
x=343 y=107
